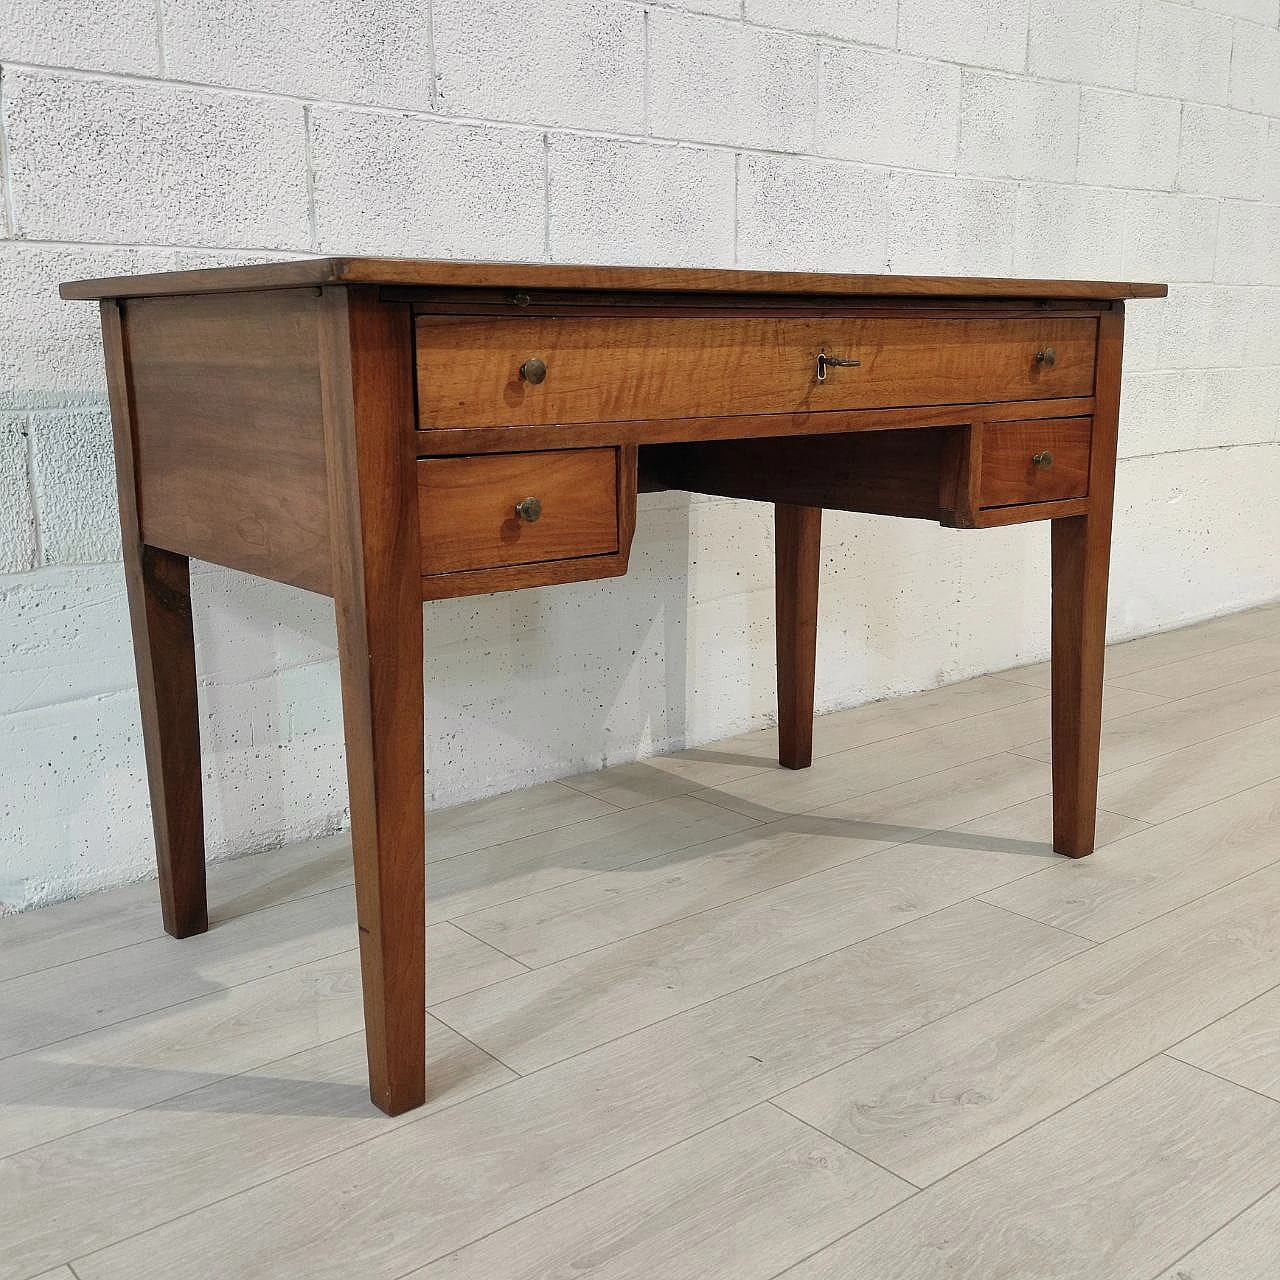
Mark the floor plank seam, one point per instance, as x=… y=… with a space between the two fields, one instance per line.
x=1221 y=1227
x=1062 y=928
x=1199 y=897
x=484 y=942
x=569 y=1195
x=722 y=995
x=566 y=826
x=690 y=915
x=1262 y=995
x=1217 y=1075
x=177 y=1004
x=916 y=1188
x=1118 y=682
x=161 y=1103
x=396 y=1128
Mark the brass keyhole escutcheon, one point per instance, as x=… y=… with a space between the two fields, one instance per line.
x=534 y=370
x=826 y=362
x=1048 y=357
x=528 y=510
x=1043 y=460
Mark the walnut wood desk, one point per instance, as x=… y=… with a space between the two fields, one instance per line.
x=388 y=432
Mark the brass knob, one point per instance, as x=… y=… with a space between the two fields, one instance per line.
x=1043 y=460
x=533 y=370
x=528 y=510
x=1047 y=357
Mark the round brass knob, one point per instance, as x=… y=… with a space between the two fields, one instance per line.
x=533 y=370
x=1047 y=357
x=1043 y=460
x=528 y=510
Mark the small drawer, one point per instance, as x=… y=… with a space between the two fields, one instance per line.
x=1043 y=460
x=549 y=370
x=468 y=508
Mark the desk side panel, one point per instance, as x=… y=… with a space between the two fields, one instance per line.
x=228 y=431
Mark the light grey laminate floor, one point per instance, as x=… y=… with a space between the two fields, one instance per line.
x=702 y=1017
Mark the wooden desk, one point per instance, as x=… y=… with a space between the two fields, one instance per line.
x=388 y=432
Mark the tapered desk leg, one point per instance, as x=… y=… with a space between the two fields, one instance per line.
x=1081 y=553
x=378 y=595
x=797 y=548
x=1081 y=560
x=159 y=589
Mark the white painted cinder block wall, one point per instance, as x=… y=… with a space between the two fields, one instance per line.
x=1097 y=138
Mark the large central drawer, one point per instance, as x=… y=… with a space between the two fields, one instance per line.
x=486 y=372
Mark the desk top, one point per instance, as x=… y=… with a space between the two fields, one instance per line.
x=500 y=275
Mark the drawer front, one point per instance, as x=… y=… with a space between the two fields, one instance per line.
x=614 y=369
x=467 y=508
x=1040 y=461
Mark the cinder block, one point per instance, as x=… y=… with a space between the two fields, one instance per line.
x=51 y=350
x=950 y=226
x=864 y=21
x=1255 y=69
x=881 y=108
x=981 y=33
x=342 y=50
x=1222 y=152
x=569 y=62
x=1184 y=409
x=1174 y=514
x=615 y=201
x=1248 y=244
x=75 y=486
x=1169 y=237
x=812 y=215
x=128 y=163
x=1162 y=412
x=1091 y=41
x=1266 y=12
x=1184 y=53
x=65 y=636
x=1128 y=140
x=91 y=35
x=1013 y=127
x=714 y=81
x=1271 y=164
x=1070 y=232
x=1202 y=327
x=716 y=8
x=17 y=514
x=411 y=185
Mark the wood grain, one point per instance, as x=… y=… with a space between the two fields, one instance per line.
x=797 y=557
x=1081 y=555
x=933 y=1101
x=469 y=518
x=761 y=1188
x=1154 y=870
x=230 y=446
x=1115 y=1187
x=406 y=271
x=159 y=590
x=679 y=430
x=434 y=1185
x=608 y=370
x=118 y=1177
x=368 y=423
x=1008 y=474
x=562 y=1009
x=1245 y=1249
